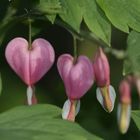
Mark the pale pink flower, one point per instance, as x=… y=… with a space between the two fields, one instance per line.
x=78 y=78
x=30 y=64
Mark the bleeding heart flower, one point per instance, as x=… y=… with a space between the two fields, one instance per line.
x=124 y=107
x=78 y=78
x=105 y=92
x=30 y=64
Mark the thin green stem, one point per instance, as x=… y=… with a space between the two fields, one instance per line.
x=74 y=48
x=30 y=34
x=119 y=54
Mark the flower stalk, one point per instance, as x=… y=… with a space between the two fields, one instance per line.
x=30 y=34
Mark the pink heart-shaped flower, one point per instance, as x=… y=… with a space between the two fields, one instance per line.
x=30 y=65
x=78 y=77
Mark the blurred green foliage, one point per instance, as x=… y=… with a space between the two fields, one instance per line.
x=35 y=122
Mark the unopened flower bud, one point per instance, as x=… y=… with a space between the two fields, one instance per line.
x=101 y=68
x=105 y=93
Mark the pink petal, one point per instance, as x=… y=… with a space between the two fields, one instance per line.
x=81 y=77
x=17 y=56
x=101 y=68
x=30 y=65
x=78 y=78
x=64 y=65
x=41 y=59
x=125 y=91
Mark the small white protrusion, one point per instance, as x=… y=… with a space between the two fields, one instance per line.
x=78 y=104
x=99 y=97
x=66 y=108
x=112 y=96
x=29 y=95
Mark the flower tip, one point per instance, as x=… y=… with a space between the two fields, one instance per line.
x=123 y=129
x=123 y=116
x=106 y=97
x=109 y=107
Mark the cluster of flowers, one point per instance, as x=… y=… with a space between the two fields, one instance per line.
x=78 y=75
x=124 y=106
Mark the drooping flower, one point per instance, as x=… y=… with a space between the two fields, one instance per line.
x=124 y=107
x=78 y=78
x=105 y=93
x=30 y=64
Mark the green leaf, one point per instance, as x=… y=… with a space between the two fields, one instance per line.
x=71 y=13
x=96 y=20
x=122 y=13
x=40 y=122
x=136 y=117
x=0 y=84
x=50 y=7
x=6 y=23
x=51 y=18
x=132 y=63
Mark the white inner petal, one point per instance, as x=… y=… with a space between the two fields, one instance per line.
x=112 y=95
x=66 y=109
x=67 y=106
x=99 y=97
x=77 y=107
x=29 y=95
